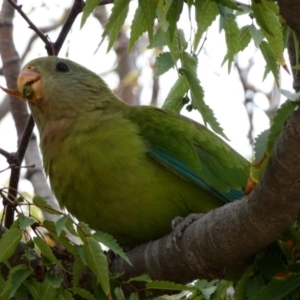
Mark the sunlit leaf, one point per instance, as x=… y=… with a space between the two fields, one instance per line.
x=271 y=61
x=8 y=243
x=45 y=249
x=232 y=34
x=164 y=63
x=190 y=72
x=97 y=262
x=206 y=13
x=116 y=20
x=88 y=8
x=267 y=16
x=108 y=241
x=149 y=8
x=174 y=100
x=138 y=27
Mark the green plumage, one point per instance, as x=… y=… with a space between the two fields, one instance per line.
x=127 y=171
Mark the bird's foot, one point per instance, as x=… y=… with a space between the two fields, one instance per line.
x=179 y=224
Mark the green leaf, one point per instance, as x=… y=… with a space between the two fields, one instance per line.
x=78 y=270
x=269 y=266
x=297 y=67
x=111 y=243
x=42 y=204
x=80 y=252
x=296 y=47
x=206 y=13
x=260 y=145
x=97 y=262
x=270 y=60
x=119 y=293
x=149 y=9
x=254 y=285
x=190 y=72
x=18 y=278
x=134 y=296
x=178 y=44
x=63 y=239
x=232 y=34
x=167 y=285
x=261 y=16
x=89 y=7
x=60 y=224
x=278 y=121
x=174 y=100
x=142 y=278
x=64 y=295
x=256 y=34
x=116 y=20
x=173 y=16
x=24 y=222
x=278 y=288
x=221 y=289
x=83 y=293
x=289 y=95
x=241 y=287
x=245 y=37
x=164 y=63
x=70 y=226
x=8 y=243
x=266 y=14
x=138 y=27
x=33 y=289
x=3 y=286
x=54 y=280
x=9 y=284
x=201 y=284
x=45 y=249
x=229 y=4
x=45 y=291
x=22 y=293
x=158 y=40
x=277 y=124
x=84 y=231
x=225 y=14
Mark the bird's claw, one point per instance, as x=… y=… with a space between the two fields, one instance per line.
x=179 y=224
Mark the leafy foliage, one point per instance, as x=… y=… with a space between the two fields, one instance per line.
x=265 y=142
x=160 y=20
x=21 y=278
x=274 y=273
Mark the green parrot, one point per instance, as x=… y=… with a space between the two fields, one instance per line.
x=128 y=171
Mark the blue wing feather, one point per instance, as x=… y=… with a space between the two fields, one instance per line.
x=181 y=169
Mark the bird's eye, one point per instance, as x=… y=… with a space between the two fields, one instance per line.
x=62 y=67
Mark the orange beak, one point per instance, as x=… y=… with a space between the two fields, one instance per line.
x=29 y=86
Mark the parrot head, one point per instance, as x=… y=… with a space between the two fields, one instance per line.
x=57 y=88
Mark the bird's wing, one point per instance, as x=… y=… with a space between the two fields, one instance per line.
x=191 y=151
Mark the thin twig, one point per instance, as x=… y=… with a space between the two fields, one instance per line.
x=32 y=26
x=5 y=153
x=76 y=9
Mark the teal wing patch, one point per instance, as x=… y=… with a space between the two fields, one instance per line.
x=191 y=151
